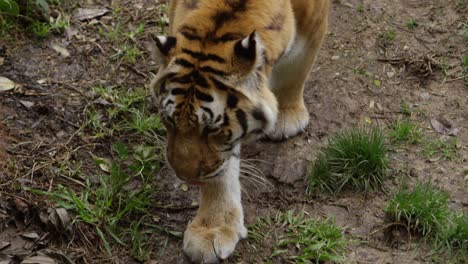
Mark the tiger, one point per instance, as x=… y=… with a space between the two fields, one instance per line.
x=229 y=71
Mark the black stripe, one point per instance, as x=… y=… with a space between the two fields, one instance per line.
x=184 y=63
x=204 y=57
x=182 y=79
x=207 y=110
x=199 y=79
x=226 y=120
x=209 y=69
x=242 y=121
x=189 y=33
x=218 y=119
x=227 y=37
x=219 y=85
x=163 y=89
x=178 y=91
x=259 y=115
x=229 y=136
x=232 y=101
x=203 y=96
x=169 y=102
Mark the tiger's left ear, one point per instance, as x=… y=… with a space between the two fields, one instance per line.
x=249 y=52
x=160 y=48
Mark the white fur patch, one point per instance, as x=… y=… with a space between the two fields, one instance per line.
x=245 y=42
x=162 y=39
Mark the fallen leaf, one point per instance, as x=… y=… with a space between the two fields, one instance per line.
x=2 y=60
x=6 y=84
x=39 y=260
x=184 y=187
x=41 y=81
x=3 y=245
x=368 y=120
x=378 y=83
x=31 y=235
x=443 y=126
x=27 y=104
x=64 y=217
x=21 y=205
x=61 y=50
x=90 y=13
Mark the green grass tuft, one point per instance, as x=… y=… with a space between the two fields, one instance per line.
x=405 y=131
x=354 y=159
x=300 y=239
x=423 y=209
x=455 y=236
x=412 y=24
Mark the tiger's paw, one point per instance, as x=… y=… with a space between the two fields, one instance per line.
x=210 y=243
x=291 y=121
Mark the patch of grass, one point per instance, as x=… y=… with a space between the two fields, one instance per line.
x=388 y=37
x=119 y=110
x=455 y=236
x=412 y=24
x=447 y=149
x=423 y=209
x=300 y=239
x=405 y=131
x=405 y=108
x=354 y=159
x=360 y=8
x=111 y=205
x=128 y=54
x=34 y=15
x=40 y=29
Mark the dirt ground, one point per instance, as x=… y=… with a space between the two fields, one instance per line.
x=362 y=75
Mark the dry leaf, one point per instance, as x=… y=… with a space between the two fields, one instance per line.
x=90 y=13
x=21 y=205
x=59 y=219
x=27 y=104
x=4 y=245
x=39 y=260
x=184 y=187
x=443 y=126
x=31 y=235
x=368 y=120
x=61 y=50
x=6 y=84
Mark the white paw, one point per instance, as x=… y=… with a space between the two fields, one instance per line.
x=290 y=122
x=210 y=245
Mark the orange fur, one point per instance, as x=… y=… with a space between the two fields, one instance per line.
x=230 y=69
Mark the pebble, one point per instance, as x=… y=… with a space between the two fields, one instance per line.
x=335 y=57
x=425 y=96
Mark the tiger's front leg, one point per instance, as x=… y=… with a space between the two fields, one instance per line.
x=219 y=224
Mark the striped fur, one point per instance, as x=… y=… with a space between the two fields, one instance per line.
x=230 y=69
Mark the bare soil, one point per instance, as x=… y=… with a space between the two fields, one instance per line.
x=360 y=77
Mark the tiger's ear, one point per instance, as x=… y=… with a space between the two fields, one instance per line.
x=248 y=52
x=160 y=47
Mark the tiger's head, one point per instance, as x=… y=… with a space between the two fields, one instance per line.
x=211 y=95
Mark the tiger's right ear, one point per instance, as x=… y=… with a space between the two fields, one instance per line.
x=160 y=48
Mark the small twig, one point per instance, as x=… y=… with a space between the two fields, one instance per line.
x=456 y=79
